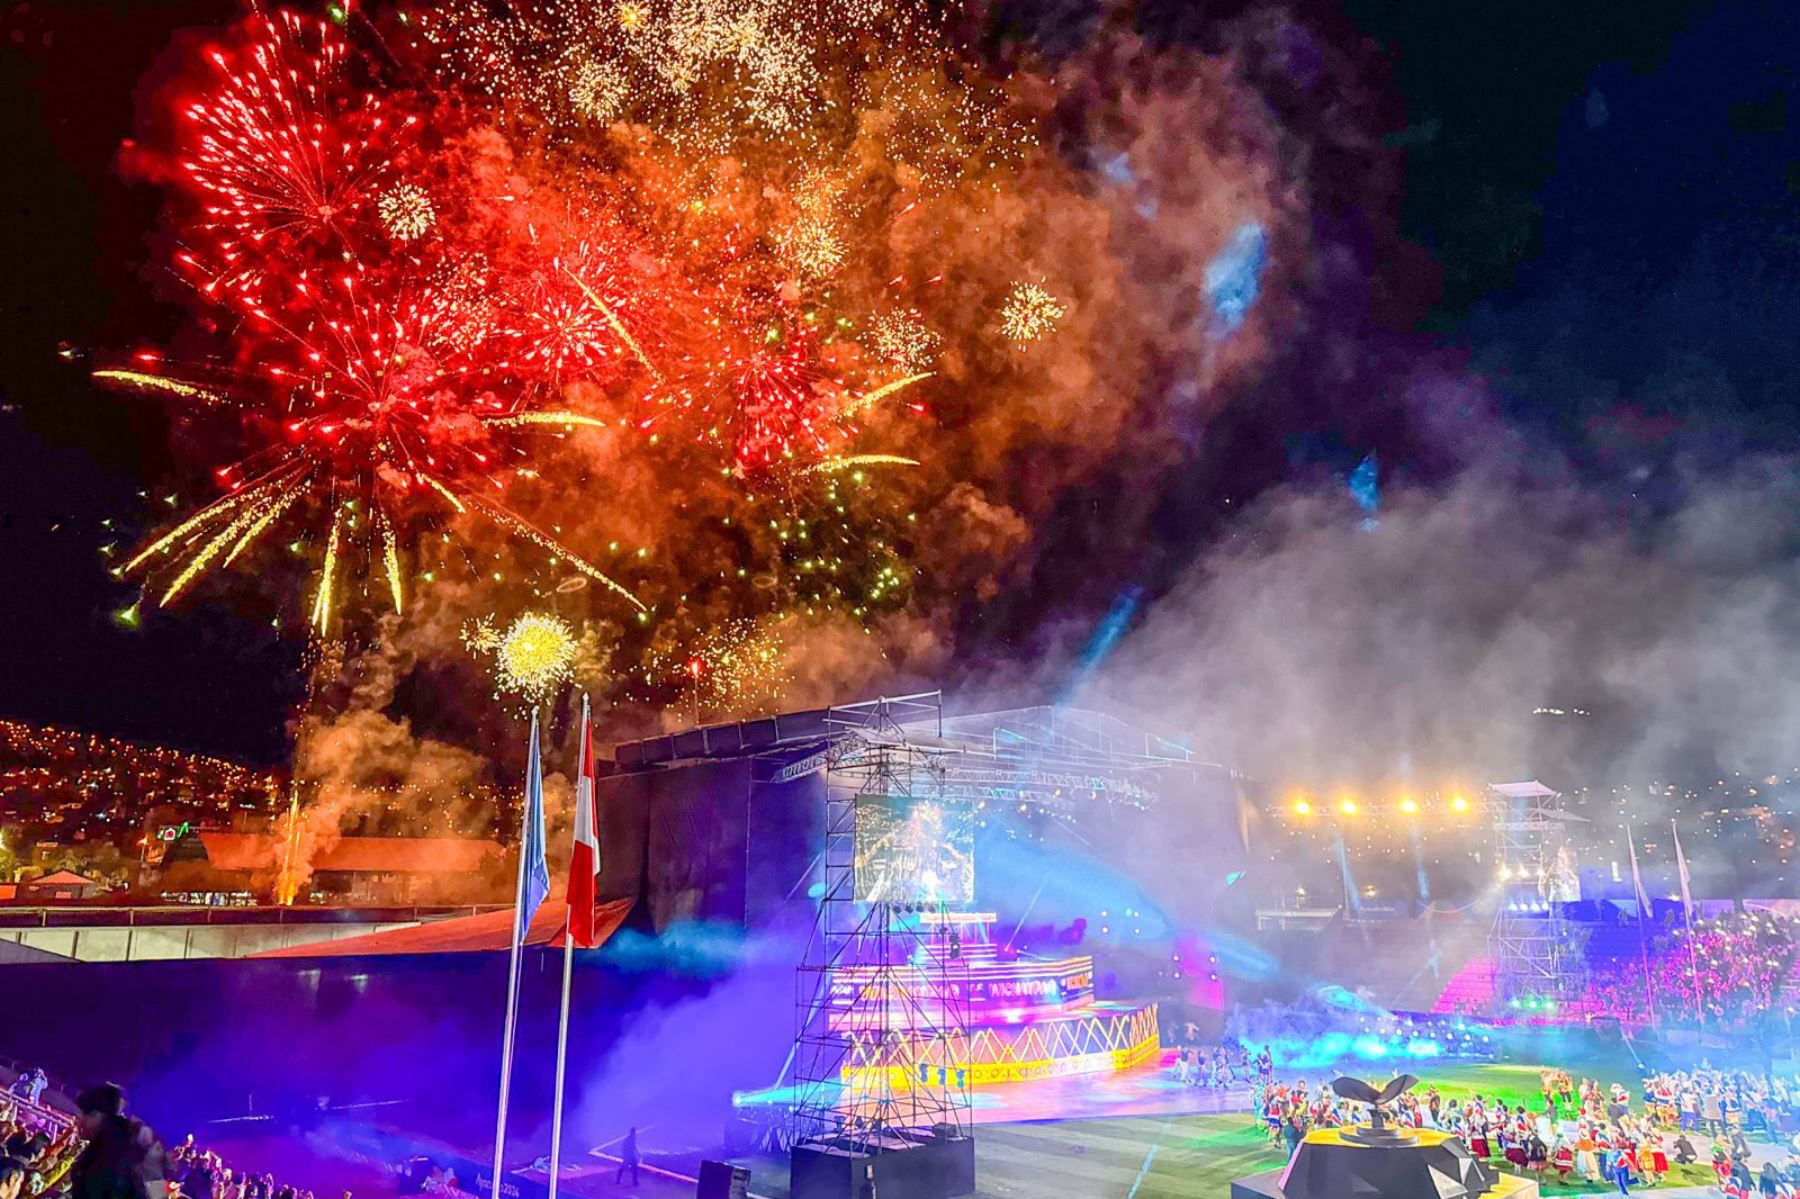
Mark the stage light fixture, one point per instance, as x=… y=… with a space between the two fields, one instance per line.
x=1458 y=804
x=1347 y=806
x=1302 y=808
x=1408 y=806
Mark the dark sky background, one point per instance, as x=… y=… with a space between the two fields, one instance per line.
x=1610 y=193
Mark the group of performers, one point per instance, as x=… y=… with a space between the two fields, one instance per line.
x=1214 y=1066
x=1582 y=1132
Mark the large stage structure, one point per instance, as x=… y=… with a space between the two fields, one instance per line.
x=904 y=1005
x=899 y=833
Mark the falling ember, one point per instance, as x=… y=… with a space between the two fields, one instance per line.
x=1029 y=313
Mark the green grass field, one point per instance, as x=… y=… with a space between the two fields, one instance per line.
x=1187 y=1157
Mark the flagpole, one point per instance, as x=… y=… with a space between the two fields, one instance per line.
x=578 y=918
x=512 y=981
x=1643 y=902
x=1687 y=911
x=562 y=1057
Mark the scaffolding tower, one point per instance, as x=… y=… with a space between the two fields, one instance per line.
x=1536 y=967
x=881 y=995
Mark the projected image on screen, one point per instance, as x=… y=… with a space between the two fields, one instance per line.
x=914 y=850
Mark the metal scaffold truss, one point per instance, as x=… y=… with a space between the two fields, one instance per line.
x=1536 y=965
x=881 y=1004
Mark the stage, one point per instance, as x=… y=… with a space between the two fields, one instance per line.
x=1147 y=1090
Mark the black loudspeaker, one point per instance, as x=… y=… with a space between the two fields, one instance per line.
x=939 y=1167
x=721 y=1180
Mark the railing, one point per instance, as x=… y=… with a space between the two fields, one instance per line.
x=41 y=1113
x=66 y=916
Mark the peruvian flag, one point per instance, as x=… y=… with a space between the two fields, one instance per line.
x=584 y=864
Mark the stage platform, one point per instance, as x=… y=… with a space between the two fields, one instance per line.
x=1147 y=1090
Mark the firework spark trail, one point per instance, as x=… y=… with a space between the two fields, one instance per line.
x=444 y=491
x=146 y=381
x=220 y=508
x=281 y=503
x=321 y=612
x=833 y=466
x=864 y=402
x=523 y=419
x=390 y=557
x=616 y=324
x=247 y=518
x=530 y=532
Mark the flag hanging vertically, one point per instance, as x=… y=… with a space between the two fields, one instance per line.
x=1681 y=872
x=534 y=884
x=535 y=870
x=1637 y=880
x=584 y=863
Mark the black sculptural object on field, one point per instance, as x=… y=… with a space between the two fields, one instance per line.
x=1379 y=1160
x=1379 y=1132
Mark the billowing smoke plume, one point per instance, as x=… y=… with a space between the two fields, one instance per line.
x=1321 y=647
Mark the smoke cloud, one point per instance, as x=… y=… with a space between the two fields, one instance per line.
x=1318 y=648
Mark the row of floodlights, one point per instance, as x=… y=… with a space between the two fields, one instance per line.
x=1406 y=806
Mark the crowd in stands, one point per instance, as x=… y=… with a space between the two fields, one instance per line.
x=1581 y=1132
x=102 y=1153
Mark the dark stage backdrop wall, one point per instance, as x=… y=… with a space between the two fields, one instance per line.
x=708 y=840
x=705 y=841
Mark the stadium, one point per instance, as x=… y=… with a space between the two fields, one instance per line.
x=899 y=599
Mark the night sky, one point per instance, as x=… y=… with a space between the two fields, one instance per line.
x=1607 y=197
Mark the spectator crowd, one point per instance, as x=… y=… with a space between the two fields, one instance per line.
x=102 y=1153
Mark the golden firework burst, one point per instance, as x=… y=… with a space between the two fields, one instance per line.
x=1029 y=313
x=406 y=211
x=533 y=658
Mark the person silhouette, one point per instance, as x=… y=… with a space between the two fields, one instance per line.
x=629 y=1158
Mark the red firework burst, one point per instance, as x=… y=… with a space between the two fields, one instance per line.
x=283 y=153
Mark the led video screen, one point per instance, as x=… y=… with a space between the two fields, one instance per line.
x=912 y=849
